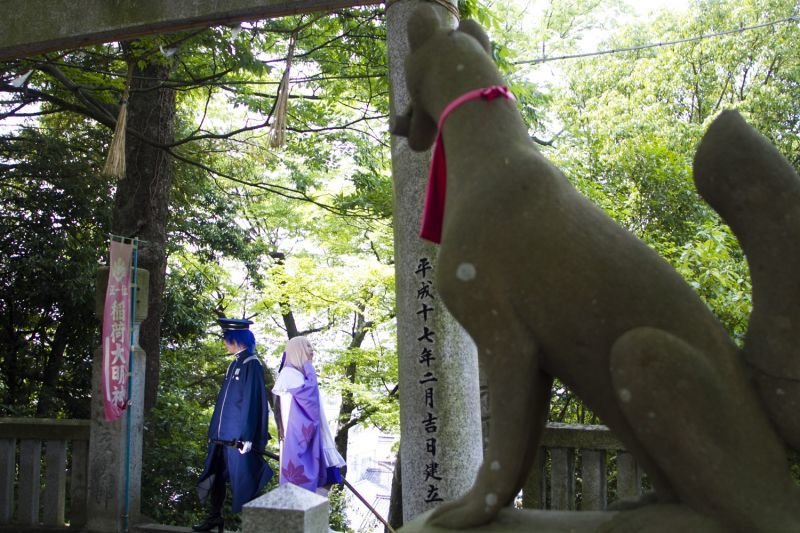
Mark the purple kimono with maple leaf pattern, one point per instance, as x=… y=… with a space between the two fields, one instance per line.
x=308 y=458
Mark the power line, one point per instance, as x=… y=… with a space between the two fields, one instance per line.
x=656 y=45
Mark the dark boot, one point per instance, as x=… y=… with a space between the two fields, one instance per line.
x=212 y=521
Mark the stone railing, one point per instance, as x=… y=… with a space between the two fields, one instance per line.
x=41 y=457
x=572 y=474
x=50 y=457
x=572 y=471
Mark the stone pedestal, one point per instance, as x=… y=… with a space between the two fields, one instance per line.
x=654 y=518
x=518 y=520
x=441 y=447
x=287 y=509
x=115 y=457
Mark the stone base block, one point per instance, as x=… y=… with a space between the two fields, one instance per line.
x=656 y=518
x=287 y=509
x=518 y=520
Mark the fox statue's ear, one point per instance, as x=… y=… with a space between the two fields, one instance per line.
x=422 y=131
x=401 y=124
x=470 y=27
x=422 y=24
x=418 y=128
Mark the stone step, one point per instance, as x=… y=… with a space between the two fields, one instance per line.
x=161 y=528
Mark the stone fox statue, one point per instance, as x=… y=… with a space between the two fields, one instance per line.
x=547 y=285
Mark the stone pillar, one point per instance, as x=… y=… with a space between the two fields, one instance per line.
x=287 y=509
x=108 y=441
x=439 y=394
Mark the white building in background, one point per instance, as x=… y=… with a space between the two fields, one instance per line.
x=370 y=466
x=371 y=456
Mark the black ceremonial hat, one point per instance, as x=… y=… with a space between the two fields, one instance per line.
x=230 y=324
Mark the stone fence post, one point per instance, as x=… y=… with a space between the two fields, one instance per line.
x=287 y=509
x=108 y=441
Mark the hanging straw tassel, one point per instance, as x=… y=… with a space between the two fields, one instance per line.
x=115 y=162
x=278 y=133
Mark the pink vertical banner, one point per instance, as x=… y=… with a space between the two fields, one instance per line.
x=117 y=331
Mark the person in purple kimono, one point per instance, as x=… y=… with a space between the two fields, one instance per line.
x=237 y=433
x=309 y=457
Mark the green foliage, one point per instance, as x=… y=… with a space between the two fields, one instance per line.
x=627 y=125
x=237 y=205
x=634 y=119
x=567 y=408
x=377 y=375
x=794 y=462
x=715 y=266
x=338 y=519
x=286 y=258
x=53 y=223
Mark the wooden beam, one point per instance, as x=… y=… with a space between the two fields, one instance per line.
x=30 y=27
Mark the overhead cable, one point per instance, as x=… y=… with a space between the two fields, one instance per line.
x=655 y=45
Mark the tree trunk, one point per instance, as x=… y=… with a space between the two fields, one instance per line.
x=286 y=309
x=348 y=405
x=9 y=359
x=395 y=517
x=44 y=407
x=141 y=205
x=345 y=413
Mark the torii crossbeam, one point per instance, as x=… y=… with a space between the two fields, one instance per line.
x=29 y=27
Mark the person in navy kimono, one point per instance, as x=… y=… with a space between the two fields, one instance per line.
x=237 y=433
